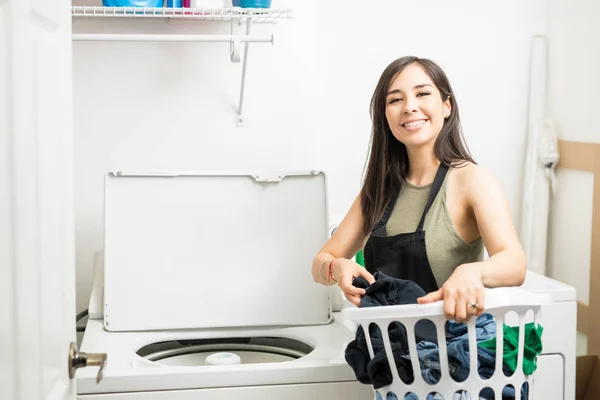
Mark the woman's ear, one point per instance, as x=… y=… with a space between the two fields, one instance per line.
x=447 y=107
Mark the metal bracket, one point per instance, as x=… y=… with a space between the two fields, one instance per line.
x=239 y=120
x=240 y=114
x=234 y=45
x=234 y=50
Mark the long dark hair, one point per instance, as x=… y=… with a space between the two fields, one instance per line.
x=387 y=166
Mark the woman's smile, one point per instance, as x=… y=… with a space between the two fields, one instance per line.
x=414 y=124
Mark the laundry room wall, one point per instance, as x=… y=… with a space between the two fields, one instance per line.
x=574 y=61
x=148 y=106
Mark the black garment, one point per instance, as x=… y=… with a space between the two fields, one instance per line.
x=386 y=291
x=403 y=256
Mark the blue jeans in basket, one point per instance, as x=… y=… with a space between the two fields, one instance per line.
x=458 y=356
x=458 y=351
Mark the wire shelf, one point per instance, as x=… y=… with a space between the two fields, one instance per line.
x=235 y=16
x=209 y=14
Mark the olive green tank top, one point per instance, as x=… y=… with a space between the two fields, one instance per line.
x=446 y=249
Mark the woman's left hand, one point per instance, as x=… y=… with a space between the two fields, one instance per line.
x=462 y=293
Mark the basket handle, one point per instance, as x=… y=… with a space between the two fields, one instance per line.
x=495 y=298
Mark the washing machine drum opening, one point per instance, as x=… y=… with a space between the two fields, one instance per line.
x=226 y=351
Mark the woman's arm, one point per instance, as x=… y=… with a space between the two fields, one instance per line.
x=463 y=293
x=344 y=243
x=338 y=250
x=507 y=264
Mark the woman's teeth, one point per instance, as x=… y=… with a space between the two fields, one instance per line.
x=414 y=123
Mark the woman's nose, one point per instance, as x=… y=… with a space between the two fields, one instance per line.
x=410 y=105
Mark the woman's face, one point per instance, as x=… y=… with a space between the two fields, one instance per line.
x=414 y=108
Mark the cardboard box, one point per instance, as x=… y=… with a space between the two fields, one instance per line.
x=587 y=383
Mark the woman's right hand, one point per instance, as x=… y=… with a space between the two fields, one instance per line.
x=344 y=271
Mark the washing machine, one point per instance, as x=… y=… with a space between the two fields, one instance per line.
x=203 y=291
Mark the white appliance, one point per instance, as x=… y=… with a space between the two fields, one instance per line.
x=555 y=376
x=203 y=291
x=217 y=266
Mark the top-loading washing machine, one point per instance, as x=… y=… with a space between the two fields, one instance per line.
x=203 y=291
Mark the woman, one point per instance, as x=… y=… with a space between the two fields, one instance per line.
x=426 y=209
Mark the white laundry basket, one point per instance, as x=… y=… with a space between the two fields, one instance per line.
x=499 y=302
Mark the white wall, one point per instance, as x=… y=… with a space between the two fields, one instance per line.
x=574 y=84
x=171 y=106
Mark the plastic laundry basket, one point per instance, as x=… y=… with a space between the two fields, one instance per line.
x=499 y=302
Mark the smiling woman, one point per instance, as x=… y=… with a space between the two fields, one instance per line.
x=426 y=209
x=415 y=128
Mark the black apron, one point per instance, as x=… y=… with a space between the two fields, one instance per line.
x=403 y=256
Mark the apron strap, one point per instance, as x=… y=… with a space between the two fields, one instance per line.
x=386 y=214
x=437 y=185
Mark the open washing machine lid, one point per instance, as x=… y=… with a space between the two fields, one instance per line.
x=187 y=250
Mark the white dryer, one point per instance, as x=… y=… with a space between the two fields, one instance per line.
x=203 y=291
x=555 y=376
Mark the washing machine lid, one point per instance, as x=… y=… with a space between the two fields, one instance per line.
x=193 y=250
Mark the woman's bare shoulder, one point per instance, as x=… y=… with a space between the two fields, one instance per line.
x=475 y=181
x=472 y=176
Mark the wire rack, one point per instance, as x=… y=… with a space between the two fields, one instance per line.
x=210 y=14
x=235 y=16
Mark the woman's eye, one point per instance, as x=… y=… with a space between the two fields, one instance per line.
x=394 y=100
x=423 y=94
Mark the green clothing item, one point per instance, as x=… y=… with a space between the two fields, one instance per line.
x=533 y=347
x=360 y=258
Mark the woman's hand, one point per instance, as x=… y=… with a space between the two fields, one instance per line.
x=344 y=271
x=462 y=293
